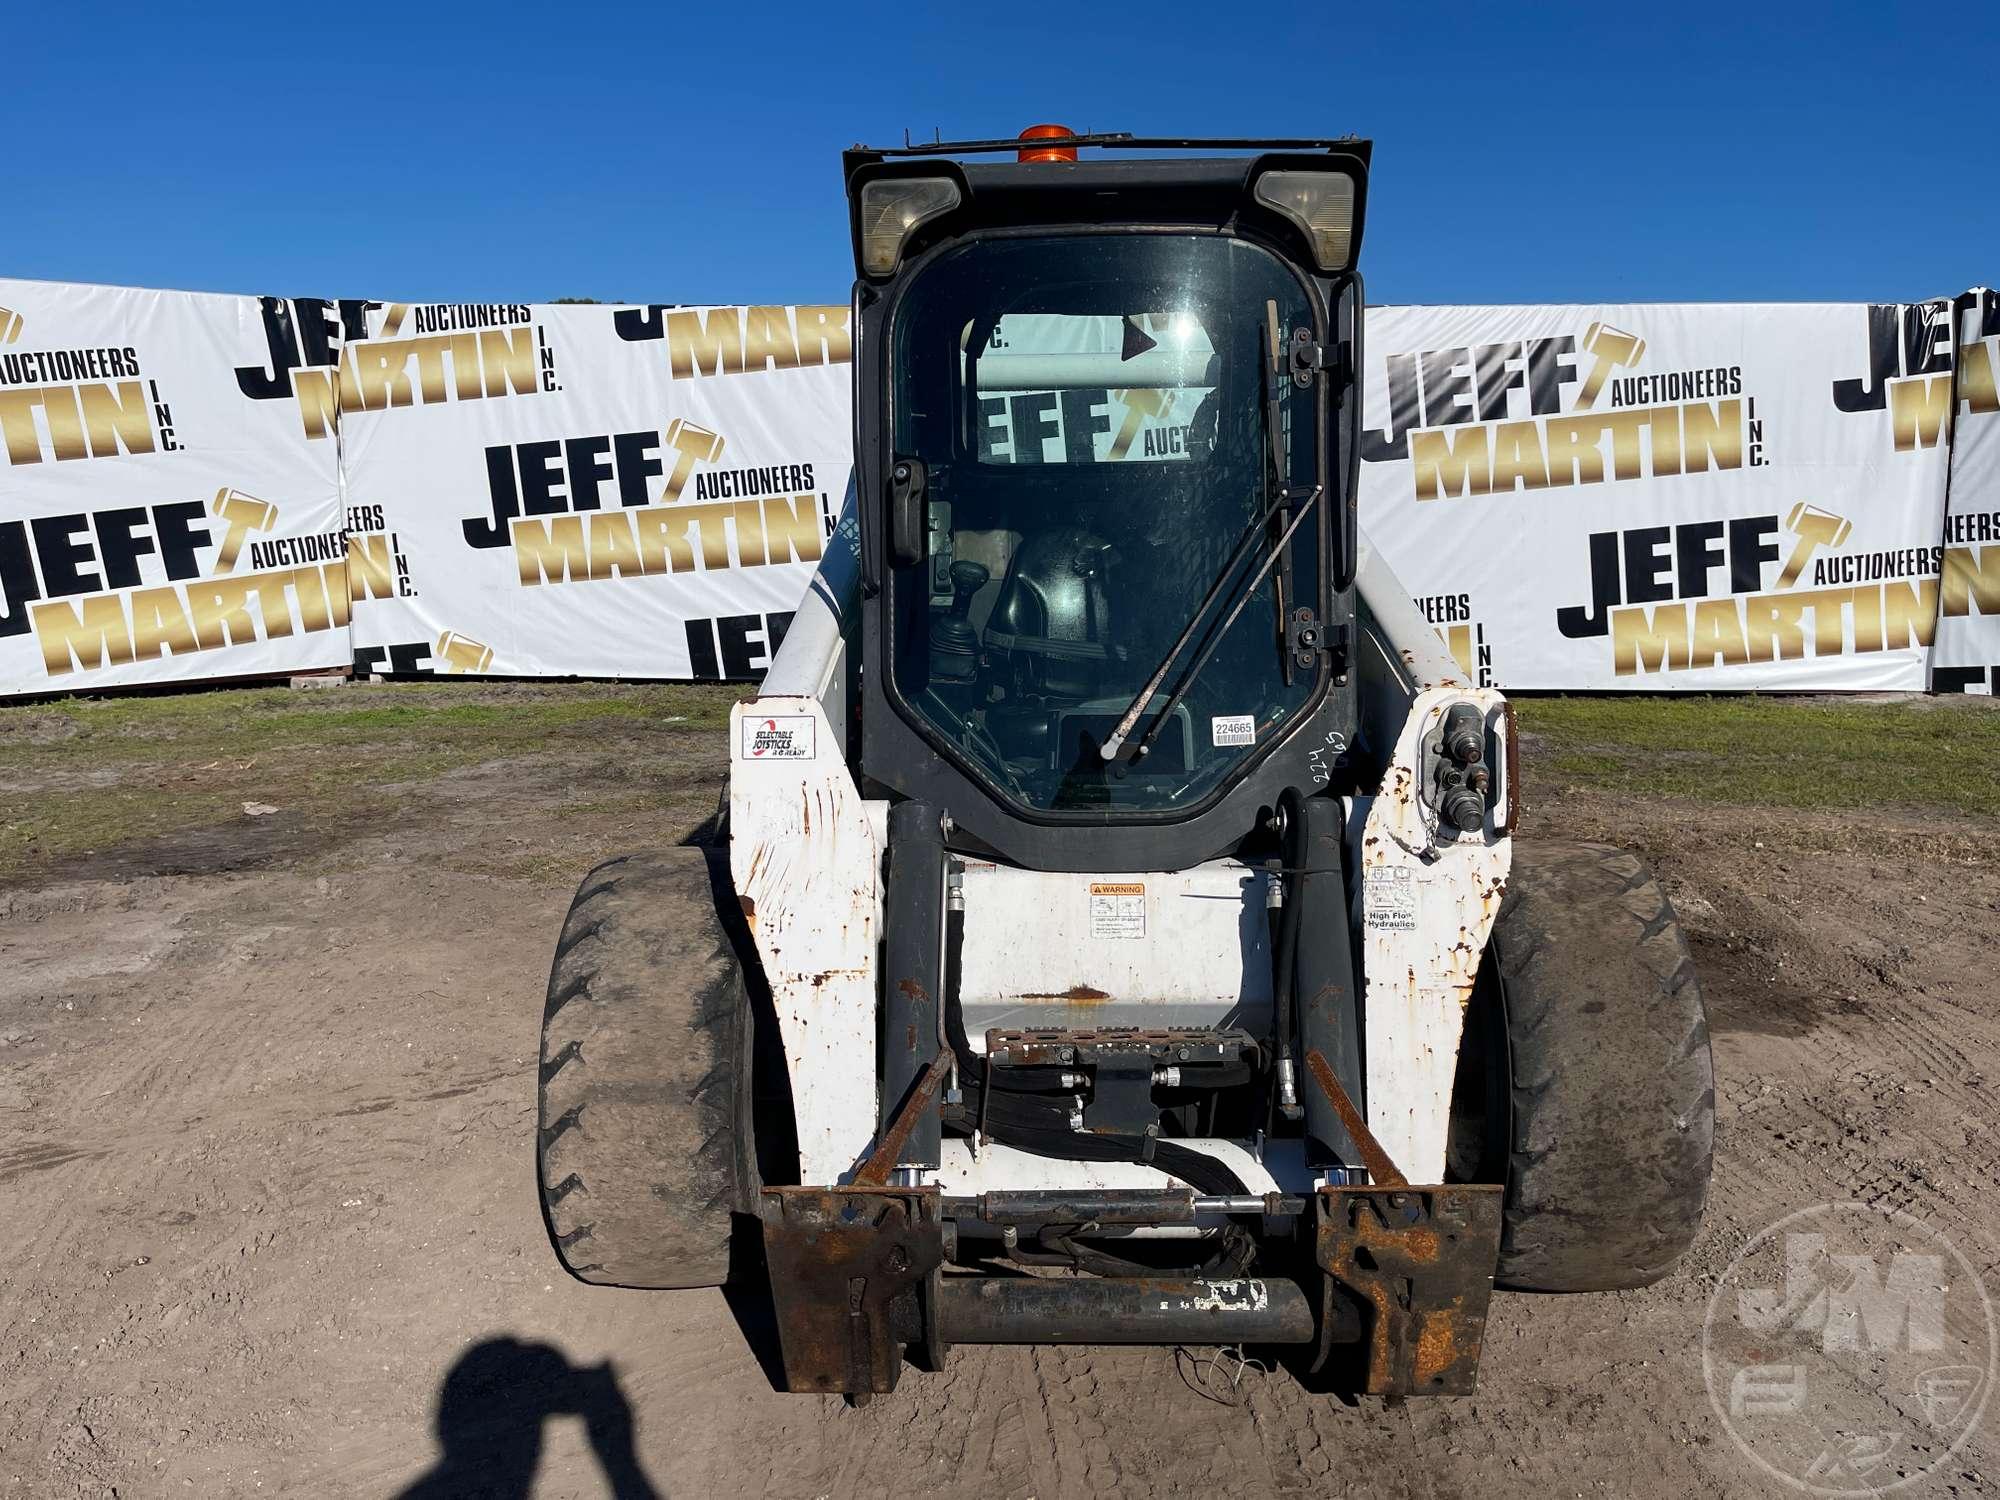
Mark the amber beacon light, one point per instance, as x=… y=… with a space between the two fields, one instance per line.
x=1047 y=153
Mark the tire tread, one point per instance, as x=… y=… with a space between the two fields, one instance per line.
x=1613 y=1086
x=644 y=1153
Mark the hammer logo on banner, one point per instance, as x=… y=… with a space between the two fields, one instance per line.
x=1523 y=415
x=92 y=402
x=678 y=507
x=1695 y=594
x=325 y=356
x=76 y=580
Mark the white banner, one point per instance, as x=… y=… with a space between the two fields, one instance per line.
x=1621 y=497
x=590 y=491
x=1966 y=655
x=156 y=524
x=1658 y=498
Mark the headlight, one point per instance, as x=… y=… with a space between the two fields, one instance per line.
x=1320 y=203
x=891 y=208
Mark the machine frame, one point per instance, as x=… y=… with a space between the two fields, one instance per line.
x=847 y=853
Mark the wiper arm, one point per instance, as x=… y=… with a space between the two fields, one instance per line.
x=1214 y=639
x=1278 y=499
x=1137 y=706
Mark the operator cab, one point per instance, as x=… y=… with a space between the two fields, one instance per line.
x=1106 y=457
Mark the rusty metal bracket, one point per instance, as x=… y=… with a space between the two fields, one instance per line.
x=875 y=1171
x=849 y=1269
x=1373 y=1157
x=1420 y=1261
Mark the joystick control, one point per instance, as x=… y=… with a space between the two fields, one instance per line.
x=954 y=643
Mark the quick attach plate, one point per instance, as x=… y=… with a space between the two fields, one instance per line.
x=1056 y=1047
x=1420 y=1259
x=849 y=1269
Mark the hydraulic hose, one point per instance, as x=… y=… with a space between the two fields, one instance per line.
x=1292 y=807
x=971 y=1065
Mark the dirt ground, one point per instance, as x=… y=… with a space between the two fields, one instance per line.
x=266 y=1128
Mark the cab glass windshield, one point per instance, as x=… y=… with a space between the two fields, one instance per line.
x=1105 y=444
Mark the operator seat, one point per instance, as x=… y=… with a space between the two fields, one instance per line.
x=1052 y=617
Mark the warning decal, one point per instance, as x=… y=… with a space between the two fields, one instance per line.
x=1389 y=898
x=1117 y=909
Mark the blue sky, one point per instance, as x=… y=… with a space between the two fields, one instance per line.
x=689 y=152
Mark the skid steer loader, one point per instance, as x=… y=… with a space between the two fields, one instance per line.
x=1117 y=930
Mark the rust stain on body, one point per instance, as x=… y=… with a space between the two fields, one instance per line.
x=1421 y=1246
x=1438 y=1346
x=1082 y=993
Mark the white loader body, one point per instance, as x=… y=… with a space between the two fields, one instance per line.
x=1110 y=948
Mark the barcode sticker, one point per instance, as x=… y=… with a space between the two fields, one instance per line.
x=1232 y=729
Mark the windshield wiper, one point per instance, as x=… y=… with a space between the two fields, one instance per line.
x=1138 y=705
x=1278 y=498
x=1274 y=375
x=1249 y=589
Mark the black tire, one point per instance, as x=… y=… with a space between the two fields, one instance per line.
x=1612 y=1088
x=646 y=1150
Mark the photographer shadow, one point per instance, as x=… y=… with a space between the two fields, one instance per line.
x=491 y=1412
